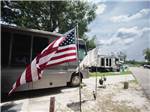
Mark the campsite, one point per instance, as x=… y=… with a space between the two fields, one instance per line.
x=75 y=56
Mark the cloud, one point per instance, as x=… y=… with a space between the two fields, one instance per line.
x=132 y=41
x=109 y=42
x=128 y=32
x=126 y=18
x=100 y=9
x=135 y=50
x=124 y=36
x=146 y=29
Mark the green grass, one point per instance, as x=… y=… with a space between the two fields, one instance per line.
x=110 y=73
x=135 y=65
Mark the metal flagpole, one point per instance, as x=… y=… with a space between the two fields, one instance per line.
x=96 y=85
x=95 y=93
x=77 y=36
x=96 y=71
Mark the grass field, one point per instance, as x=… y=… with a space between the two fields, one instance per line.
x=110 y=73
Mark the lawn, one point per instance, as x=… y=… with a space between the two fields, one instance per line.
x=110 y=73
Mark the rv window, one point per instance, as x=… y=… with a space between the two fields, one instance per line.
x=21 y=50
x=109 y=62
x=5 y=48
x=116 y=61
x=39 y=43
x=102 y=62
x=82 y=52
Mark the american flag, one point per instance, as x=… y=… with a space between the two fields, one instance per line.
x=61 y=50
x=67 y=50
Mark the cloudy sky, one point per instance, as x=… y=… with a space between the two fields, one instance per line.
x=122 y=26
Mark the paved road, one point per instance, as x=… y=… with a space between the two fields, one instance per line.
x=143 y=77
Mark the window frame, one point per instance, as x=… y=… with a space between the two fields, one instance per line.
x=11 y=63
x=103 y=62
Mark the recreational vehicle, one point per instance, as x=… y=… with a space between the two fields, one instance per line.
x=20 y=46
x=101 y=62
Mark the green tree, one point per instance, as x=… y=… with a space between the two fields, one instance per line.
x=147 y=54
x=90 y=43
x=48 y=15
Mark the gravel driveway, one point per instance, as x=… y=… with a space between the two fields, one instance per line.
x=113 y=98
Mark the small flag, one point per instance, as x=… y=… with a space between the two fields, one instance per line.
x=61 y=50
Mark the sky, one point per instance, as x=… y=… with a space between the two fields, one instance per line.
x=122 y=26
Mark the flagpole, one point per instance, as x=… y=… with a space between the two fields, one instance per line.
x=77 y=35
x=96 y=72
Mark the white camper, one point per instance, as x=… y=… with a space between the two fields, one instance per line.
x=100 y=61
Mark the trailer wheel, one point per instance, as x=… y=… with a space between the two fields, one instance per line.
x=75 y=80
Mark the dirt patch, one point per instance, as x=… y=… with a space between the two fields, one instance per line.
x=111 y=99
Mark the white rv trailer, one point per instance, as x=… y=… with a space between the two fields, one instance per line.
x=20 y=46
x=100 y=61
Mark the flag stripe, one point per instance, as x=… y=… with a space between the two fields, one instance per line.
x=28 y=74
x=63 y=56
x=65 y=52
x=13 y=88
x=58 y=42
x=61 y=59
x=52 y=62
x=66 y=49
x=67 y=46
x=46 y=58
x=23 y=78
x=17 y=82
x=51 y=47
x=64 y=61
x=49 y=51
x=34 y=71
x=59 y=48
x=41 y=63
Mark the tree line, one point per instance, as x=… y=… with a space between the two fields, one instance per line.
x=50 y=15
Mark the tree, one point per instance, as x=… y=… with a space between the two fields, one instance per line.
x=48 y=15
x=147 y=54
x=90 y=43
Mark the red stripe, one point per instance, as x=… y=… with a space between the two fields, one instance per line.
x=70 y=60
x=73 y=48
x=48 y=51
x=42 y=66
x=18 y=82
x=51 y=46
x=66 y=49
x=28 y=74
x=62 y=56
x=39 y=73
